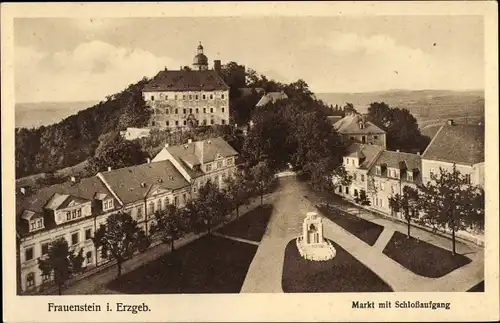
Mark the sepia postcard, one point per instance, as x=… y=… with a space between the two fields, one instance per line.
x=250 y=161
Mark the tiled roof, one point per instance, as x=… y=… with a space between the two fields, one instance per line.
x=132 y=184
x=460 y=144
x=85 y=189
x=191 y=155
x=402 y=161
x=350 y=124
x=207 y=80
x=367 y=153
x=272 y=97
x=333 y=119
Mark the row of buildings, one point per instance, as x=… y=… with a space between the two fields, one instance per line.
x=382 y=173
x=74 y=210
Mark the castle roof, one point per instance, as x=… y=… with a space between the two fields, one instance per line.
x=186 y=80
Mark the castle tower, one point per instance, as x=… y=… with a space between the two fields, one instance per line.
x=200 y=61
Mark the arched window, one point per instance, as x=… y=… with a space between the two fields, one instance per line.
x=30 y=280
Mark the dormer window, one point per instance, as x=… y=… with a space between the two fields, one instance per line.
x=108 y=204
x=409 y=176
x=208 y=167
x=229 y=162
x=36 y=224
x=378 y=170
x=393 y=173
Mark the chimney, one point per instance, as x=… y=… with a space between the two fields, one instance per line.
x=450 y=122
x=109 y=168
x=143 y=184
x=23 y=190
x=166 y=145
x=148 y=160
x=190 y=141
x=418 y=153
x=217 y=65
x=73 y=179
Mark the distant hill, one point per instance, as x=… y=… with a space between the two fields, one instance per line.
x=32 y=115
x=428 y=106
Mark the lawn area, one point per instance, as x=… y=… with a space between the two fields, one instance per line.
x=251 y=226
x=207 y=265
x=421 y=257
x=361 y=228
x=478 y=288
x=344 y=273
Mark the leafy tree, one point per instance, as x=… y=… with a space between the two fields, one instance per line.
x=116 y=152
x=449 y=201
x=362 y=199
x=261 y=178
x=118 y=238
x=407 y=203
x=372 y=188
x=143 y=241
x=238 y=191
x=57 y=263
x=341 y=177
x=401 y=127
x=349 y=108
x=211 y=206
x=76 y=261
x=170 y=224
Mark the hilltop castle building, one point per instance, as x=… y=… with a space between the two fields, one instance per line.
x=189 y=97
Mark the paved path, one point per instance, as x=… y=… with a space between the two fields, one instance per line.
x=294 y=200
x=383 y=239
x=217 y=234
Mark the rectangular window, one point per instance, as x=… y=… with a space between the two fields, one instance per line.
x=219 y=164
x=211 y=96
x=28 y=253
x=211 y=110
x=222 y=96
x=139 y=212
x=176 y=122
x=46 y=277
x=184 y=122
x=190 y=97
x=354 y=176
x=223 y=121
x=190 y=110
x=167 y=123
x=212 y=121
x=223 y=110
x=375 y=137
x=88 y=256
x=184 y=111
x=45 y=248
x=176 y=111
x=176 y=201
x=68 y=216
x=73 y=214
x=74 y=238
x=30 y=280
x=378 y=170
x=208 y=167
x=152 y=98
x=88 y=234
x=204 y=110
x=79 y=213
x=166 y=97
x=432 y=171
x=410 y=176
x=362 y=178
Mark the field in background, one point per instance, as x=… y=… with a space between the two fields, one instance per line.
x=429 y=107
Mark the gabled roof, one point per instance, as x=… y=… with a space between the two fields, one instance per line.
x=350 y=124
x=204 y=80
x=132 y=184
x=459 y=143
x=191 y=155
x=271 y=97
x=84 y=189
x=366 y=153
x=402 y=161
x=61 y=201
x=333 y=119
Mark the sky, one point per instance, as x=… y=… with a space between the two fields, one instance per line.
x=62 y=59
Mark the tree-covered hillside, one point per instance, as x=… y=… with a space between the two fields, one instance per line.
x=74 y=139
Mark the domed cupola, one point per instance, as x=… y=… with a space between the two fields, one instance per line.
x=200 y=61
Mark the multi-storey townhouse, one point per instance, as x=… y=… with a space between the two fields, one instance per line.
x=355 y=128
x=211 y=159
x=188 y=97
x=72 y=210
x=389 y=174
x=461 y=145
x=145 y=189
x=357 y=161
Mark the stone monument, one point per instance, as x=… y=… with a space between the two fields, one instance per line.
x=312 y=245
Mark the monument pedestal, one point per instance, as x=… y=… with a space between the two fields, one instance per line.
x=312 y=245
